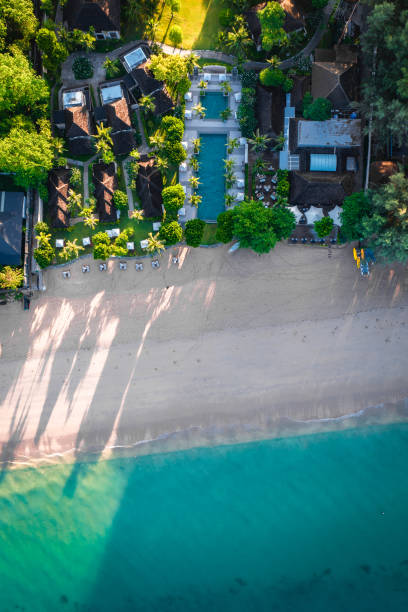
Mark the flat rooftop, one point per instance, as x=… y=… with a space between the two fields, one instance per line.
x=134 y=59
x=111 y=93
x=330 y=133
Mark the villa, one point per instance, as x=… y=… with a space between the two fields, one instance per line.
x=101 y=15
x=12 y=213
x=149 y=185
x=335 y=76
x=74 y=119
x=105 y=181
x=58 y=188
x=115 y=113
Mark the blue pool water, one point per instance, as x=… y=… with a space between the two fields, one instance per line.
x=214 y=102
x=306 y=524
x=211 y=174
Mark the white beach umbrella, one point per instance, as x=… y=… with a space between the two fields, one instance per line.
x=314 y=214
x=335 y=215
x=296 y=212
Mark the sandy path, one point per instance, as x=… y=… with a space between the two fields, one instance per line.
x=117 y=357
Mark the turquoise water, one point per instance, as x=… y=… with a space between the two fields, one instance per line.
x=314 y=523
x=212 y=188
x=214 y=102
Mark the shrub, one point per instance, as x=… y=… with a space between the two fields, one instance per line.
x=120 y=200
x=44 y=255
x=249 y=78
x=225 y=226
x=306 y=102
x=253 y=226
x=226 y=17
x=323 y=227
x=272 y=18
x=173 y=128
x=282 y=188
x=102 y=246
x=11 y=278
x=76 y=177
x=275 y=78
x=82 y=68
x=193 y=232
x=170 y=233
x=41 y=227
x=176 y=35
x=175 y=152
x=283 y=221
x=246 y=112
x=318 y=110
x=173 y=200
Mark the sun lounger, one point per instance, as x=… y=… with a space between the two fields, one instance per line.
x=102 y=267
x=156 y=226
x=188 y=96
x=59 y=243
x=86 y=241
x=66 y=274
x=175 y=259
x=188 y=114
x=139 y=266
x=122 y=265
x=115 y=232
x=155 y=263
x=130 y=246
x=85 y=269
x=144 y=244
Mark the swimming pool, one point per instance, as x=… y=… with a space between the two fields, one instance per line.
x=211 y=175
x=214 y=102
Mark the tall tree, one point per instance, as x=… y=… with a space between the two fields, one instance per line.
x=21 y=90
x=272 y=18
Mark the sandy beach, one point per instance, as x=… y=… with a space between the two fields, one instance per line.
x=217 y=347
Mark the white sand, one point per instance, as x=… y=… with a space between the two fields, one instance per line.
x=116 y=357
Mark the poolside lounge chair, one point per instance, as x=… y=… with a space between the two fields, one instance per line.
x=109 y=233
x=139 y=266
x=182 y=212
x=207 y=76
x=188 y=96
x=86 y=241
x=188 y=114
x=155 y=263
x=85 y=269
x=59 y=243
x=237 y=96
x=144 y=244
x=122 y=265
x=66 y=274
x=156 y=226
x=103 y=267
x=222 y=77
x=115 y=232
x=130 y=246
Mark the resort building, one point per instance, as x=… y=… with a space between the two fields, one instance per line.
x=335 y=76
x=101 y=15
x=74 y=119
x=58 y=189
x=12 y=213
x=149 y=185
x=115 y=113
x=105 y=182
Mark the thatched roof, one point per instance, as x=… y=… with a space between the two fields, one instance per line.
x=58 y=187
x=149 y=185
x=105 y=181
x=381 y=171
x=77 y=122
x=102 y=15
x=145 y=80
x=318 y=189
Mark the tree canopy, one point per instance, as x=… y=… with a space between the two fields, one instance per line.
x=356 y=207
x=17 y=23
x=21 y=90
x=272 y=18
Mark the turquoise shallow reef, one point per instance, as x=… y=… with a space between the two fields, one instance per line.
x=311 y=523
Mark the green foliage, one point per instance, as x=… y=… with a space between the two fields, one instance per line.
x=120 y=200
x=272 y=18
x=21 y=90
x=169 y=68
x=176 y=35
x=76 y=177
x=41 y=227
x=225 y=226
x=253 y=226
x=102 y=245
x=318 y=110
x=170 y=233
x=17 y=23
x=11 y=278
x=226 y=17
x=193 y=232
x=54 y=52
x=173 y=199
x=173 y=128
x=246 y=112
x=387 y=228
x=323 y=227
x=45 y=253
x=175 y=6
x=119 y=247
x=249 y=78
x=174 y=152
x=283 y=222
x=282 y=188
x=82 y=68
x=319 y=4
x=274 y=77
x=356 y=207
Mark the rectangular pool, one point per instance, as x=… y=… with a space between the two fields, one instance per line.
x=214 y=102
x=211 y=176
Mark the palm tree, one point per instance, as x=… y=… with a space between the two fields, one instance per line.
x=195 y=199
x=259 y=165
x=200 y=110
x=103 y=133
x=226 y=87
x=111 y=66
x=230 y=178
x=191 y=62
x=229 y=200
x=194 y=163
x=59 y=145
x=194 y=182
x=202 y=86
x=71 y=249
x=274 y=61
x=137 y=215
x=162 y=163
x=154 y=245
x=134 y=154
x=146 y=102
x=238 y=40
x=156 y=141
x=225 y=114
x=102 y=146
x=279 y=142
x=228 y=164
x=74 y=201
x=44 y=239
x=108 y=156
x=259 y=142
x=196 y=145
x=90 y=221
x=150 y=28
x=233 y=144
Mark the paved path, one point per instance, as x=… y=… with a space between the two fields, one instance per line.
x=85 y=166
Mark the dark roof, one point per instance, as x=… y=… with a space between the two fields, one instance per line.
x=104 y=179
x=129 y=81
x=336 y=81
x=163 y=102
x=319 y=190
x=77 y=122
x=80 y=146
x=58 y=117
x=102 y=15
x=117 y=113
x=149 y=186
x=11 y=223
x=123 y=143
x=380 y=171
x=145 y=80
x=100 y=113
x=58 y=187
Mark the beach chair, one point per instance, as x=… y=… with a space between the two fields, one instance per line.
x=155 y=264
x=102 y=267
x=85 y=269
x=122 y=265
x=66 y=274
x=139 y=266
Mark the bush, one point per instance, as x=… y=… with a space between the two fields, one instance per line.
x=323 y=227
x=306 y=102
x=282 y=188
x=225 y=226
x=283 y=221
x=275 y=78
x=175 y=152
x=76 y=177
x=246 y=112
x=170 y=233
x=120 y=200
x=173 y=200
x=193 y=232
x=226 y=17
x=249 y=78
x=102 y=246
x=319 y=110
x=41 y=226
x=11 y=278
x=82 y=68
x=173 y=128
x=176 y=35
x=44 y=255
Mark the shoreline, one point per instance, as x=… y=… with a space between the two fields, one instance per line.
x=220 y=349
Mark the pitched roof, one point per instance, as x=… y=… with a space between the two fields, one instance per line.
x=103 y=15
x=328 y=81
x=163 y=102
x=149 y=185
x=77 y=122
x=123 y=143
x=105 y=181
x=329 y=133
x=58 y=187
x=319 y=190
x=11 y=222
x=145 y=80
x=119 y=120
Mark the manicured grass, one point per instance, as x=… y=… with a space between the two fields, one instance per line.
x=198 y=20
x=79 y=231
x=209 y=234
x=209 y=62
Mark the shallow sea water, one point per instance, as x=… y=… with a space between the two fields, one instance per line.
x=315 y=523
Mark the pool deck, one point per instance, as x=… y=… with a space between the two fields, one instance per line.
x=196 y=126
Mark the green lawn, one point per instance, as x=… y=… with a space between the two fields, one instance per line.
x=202 y=61
x=79 y=231
x=198 y=20
x=209 y=234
